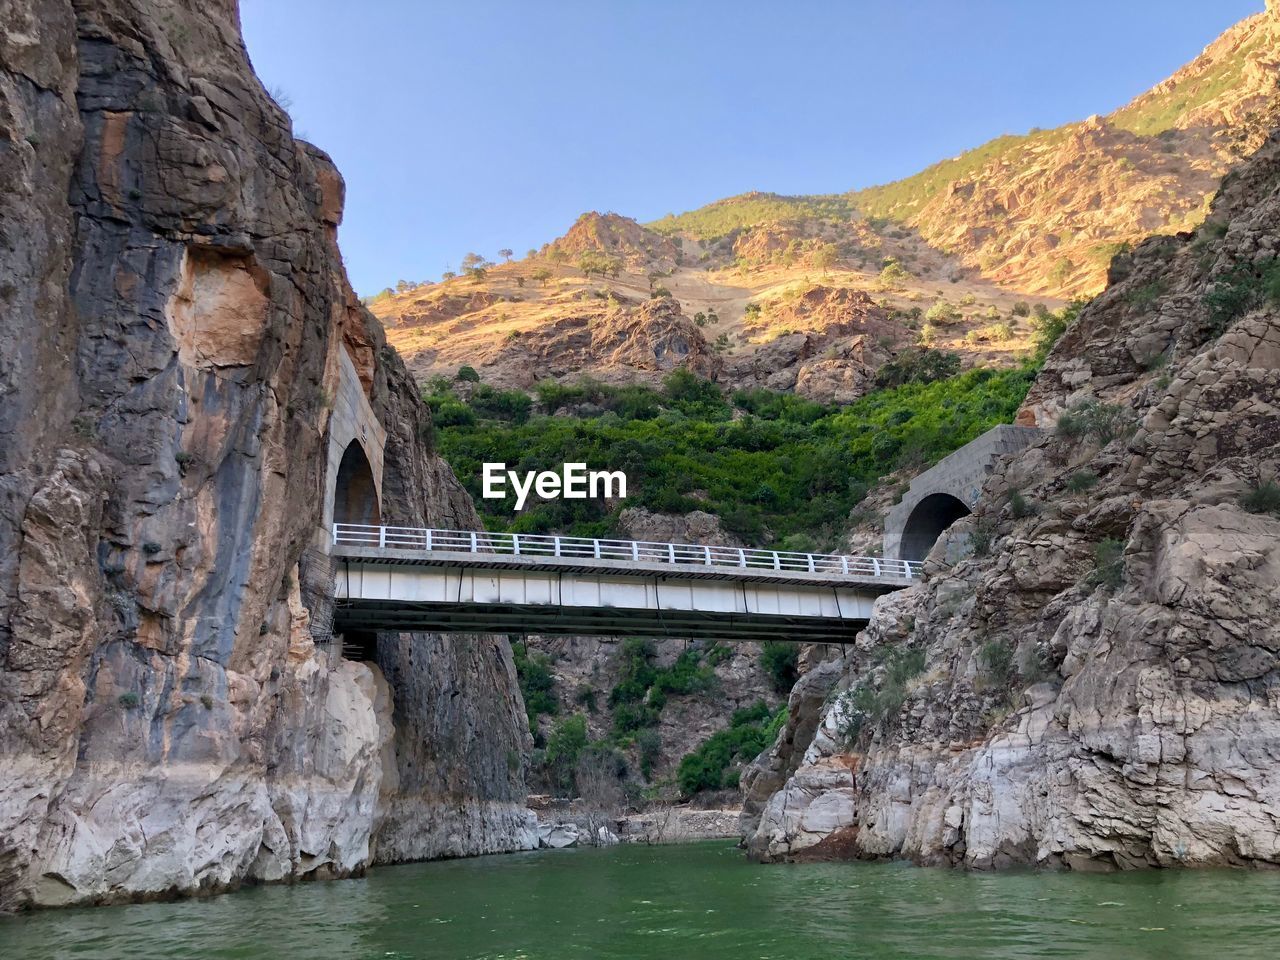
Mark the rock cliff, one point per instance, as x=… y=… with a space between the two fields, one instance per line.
x=1088 y=677
x=174 y=329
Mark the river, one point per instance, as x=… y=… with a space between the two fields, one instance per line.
x=701 y=901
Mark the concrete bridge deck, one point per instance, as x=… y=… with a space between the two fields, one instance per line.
x=396 y=578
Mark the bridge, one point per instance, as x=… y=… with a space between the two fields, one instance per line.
x=464 y=581
x=468 y=581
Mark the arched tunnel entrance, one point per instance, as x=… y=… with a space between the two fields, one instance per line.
x=355 y=496
x=928 y=519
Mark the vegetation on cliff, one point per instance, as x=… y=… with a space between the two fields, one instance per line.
x=775 y=468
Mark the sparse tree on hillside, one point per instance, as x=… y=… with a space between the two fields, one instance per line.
x=893 y=274
x=505 y=254
x=594 y=262
x=942 y=313
x=531 y=253
x=472 y=260
x=556 y=255
x=402 y=286
x=448 y=275
x=542 y=275
x=520 y=282
x=825 y=256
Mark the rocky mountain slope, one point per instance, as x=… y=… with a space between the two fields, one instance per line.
x=1088 y=677
x=175 y=314
x=1037 y=217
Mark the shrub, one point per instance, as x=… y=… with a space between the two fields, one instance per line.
x=151 y=548
x=649 y=751
x=1108 y=564
x=128 y=700
x=1081 y=481
x=1264 y=498
x=585 y=696
x=1047 y=327
x=1022 y=309
x=918 y=366
x=1243 y=288
x=865 y=705
x=942 y=314
x=537 y=683
x=511 y=405
x=468 y=374
x=1101 y=421
x=451 y=413
x=1019 y=506
x=715 y=764
x=982 y=536
x=564 y=748
x=1144 y=296
x=779 y=661
x=996 y=660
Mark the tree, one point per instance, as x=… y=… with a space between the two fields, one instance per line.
x=403 y=285
x=506 y=254
x=448 y=275
x=475 y=266
x=468 y=374
x=531 y=253
x=893 y=274
x=825 y=256
x=542 y=275
x=942 y=313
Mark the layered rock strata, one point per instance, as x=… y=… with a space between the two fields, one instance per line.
x=174 y=320
x=1088 y=677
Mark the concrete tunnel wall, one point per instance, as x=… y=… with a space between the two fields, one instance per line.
x=948 y=491
x=352 y=420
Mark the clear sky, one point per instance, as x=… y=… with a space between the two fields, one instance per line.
x=481 y=124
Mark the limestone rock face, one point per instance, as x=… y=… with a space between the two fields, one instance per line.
x=1100 y=687
x=173 y=324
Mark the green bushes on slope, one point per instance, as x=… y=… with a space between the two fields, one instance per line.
x=718 y=761
x=787 y=467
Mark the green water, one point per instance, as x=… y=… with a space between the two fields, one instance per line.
x=696 y=901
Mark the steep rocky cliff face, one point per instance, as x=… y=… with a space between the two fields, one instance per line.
x=1088 y=677
x=588 y=669
x=174 y=319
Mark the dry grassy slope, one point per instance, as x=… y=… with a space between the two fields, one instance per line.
x=517 y=325
x=1044 y=213
x=1033 y=217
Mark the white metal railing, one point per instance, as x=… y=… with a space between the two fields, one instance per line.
x=623 y=551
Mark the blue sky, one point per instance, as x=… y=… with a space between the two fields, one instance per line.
x=478 y=124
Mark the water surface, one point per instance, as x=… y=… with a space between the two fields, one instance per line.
x=700 y=901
